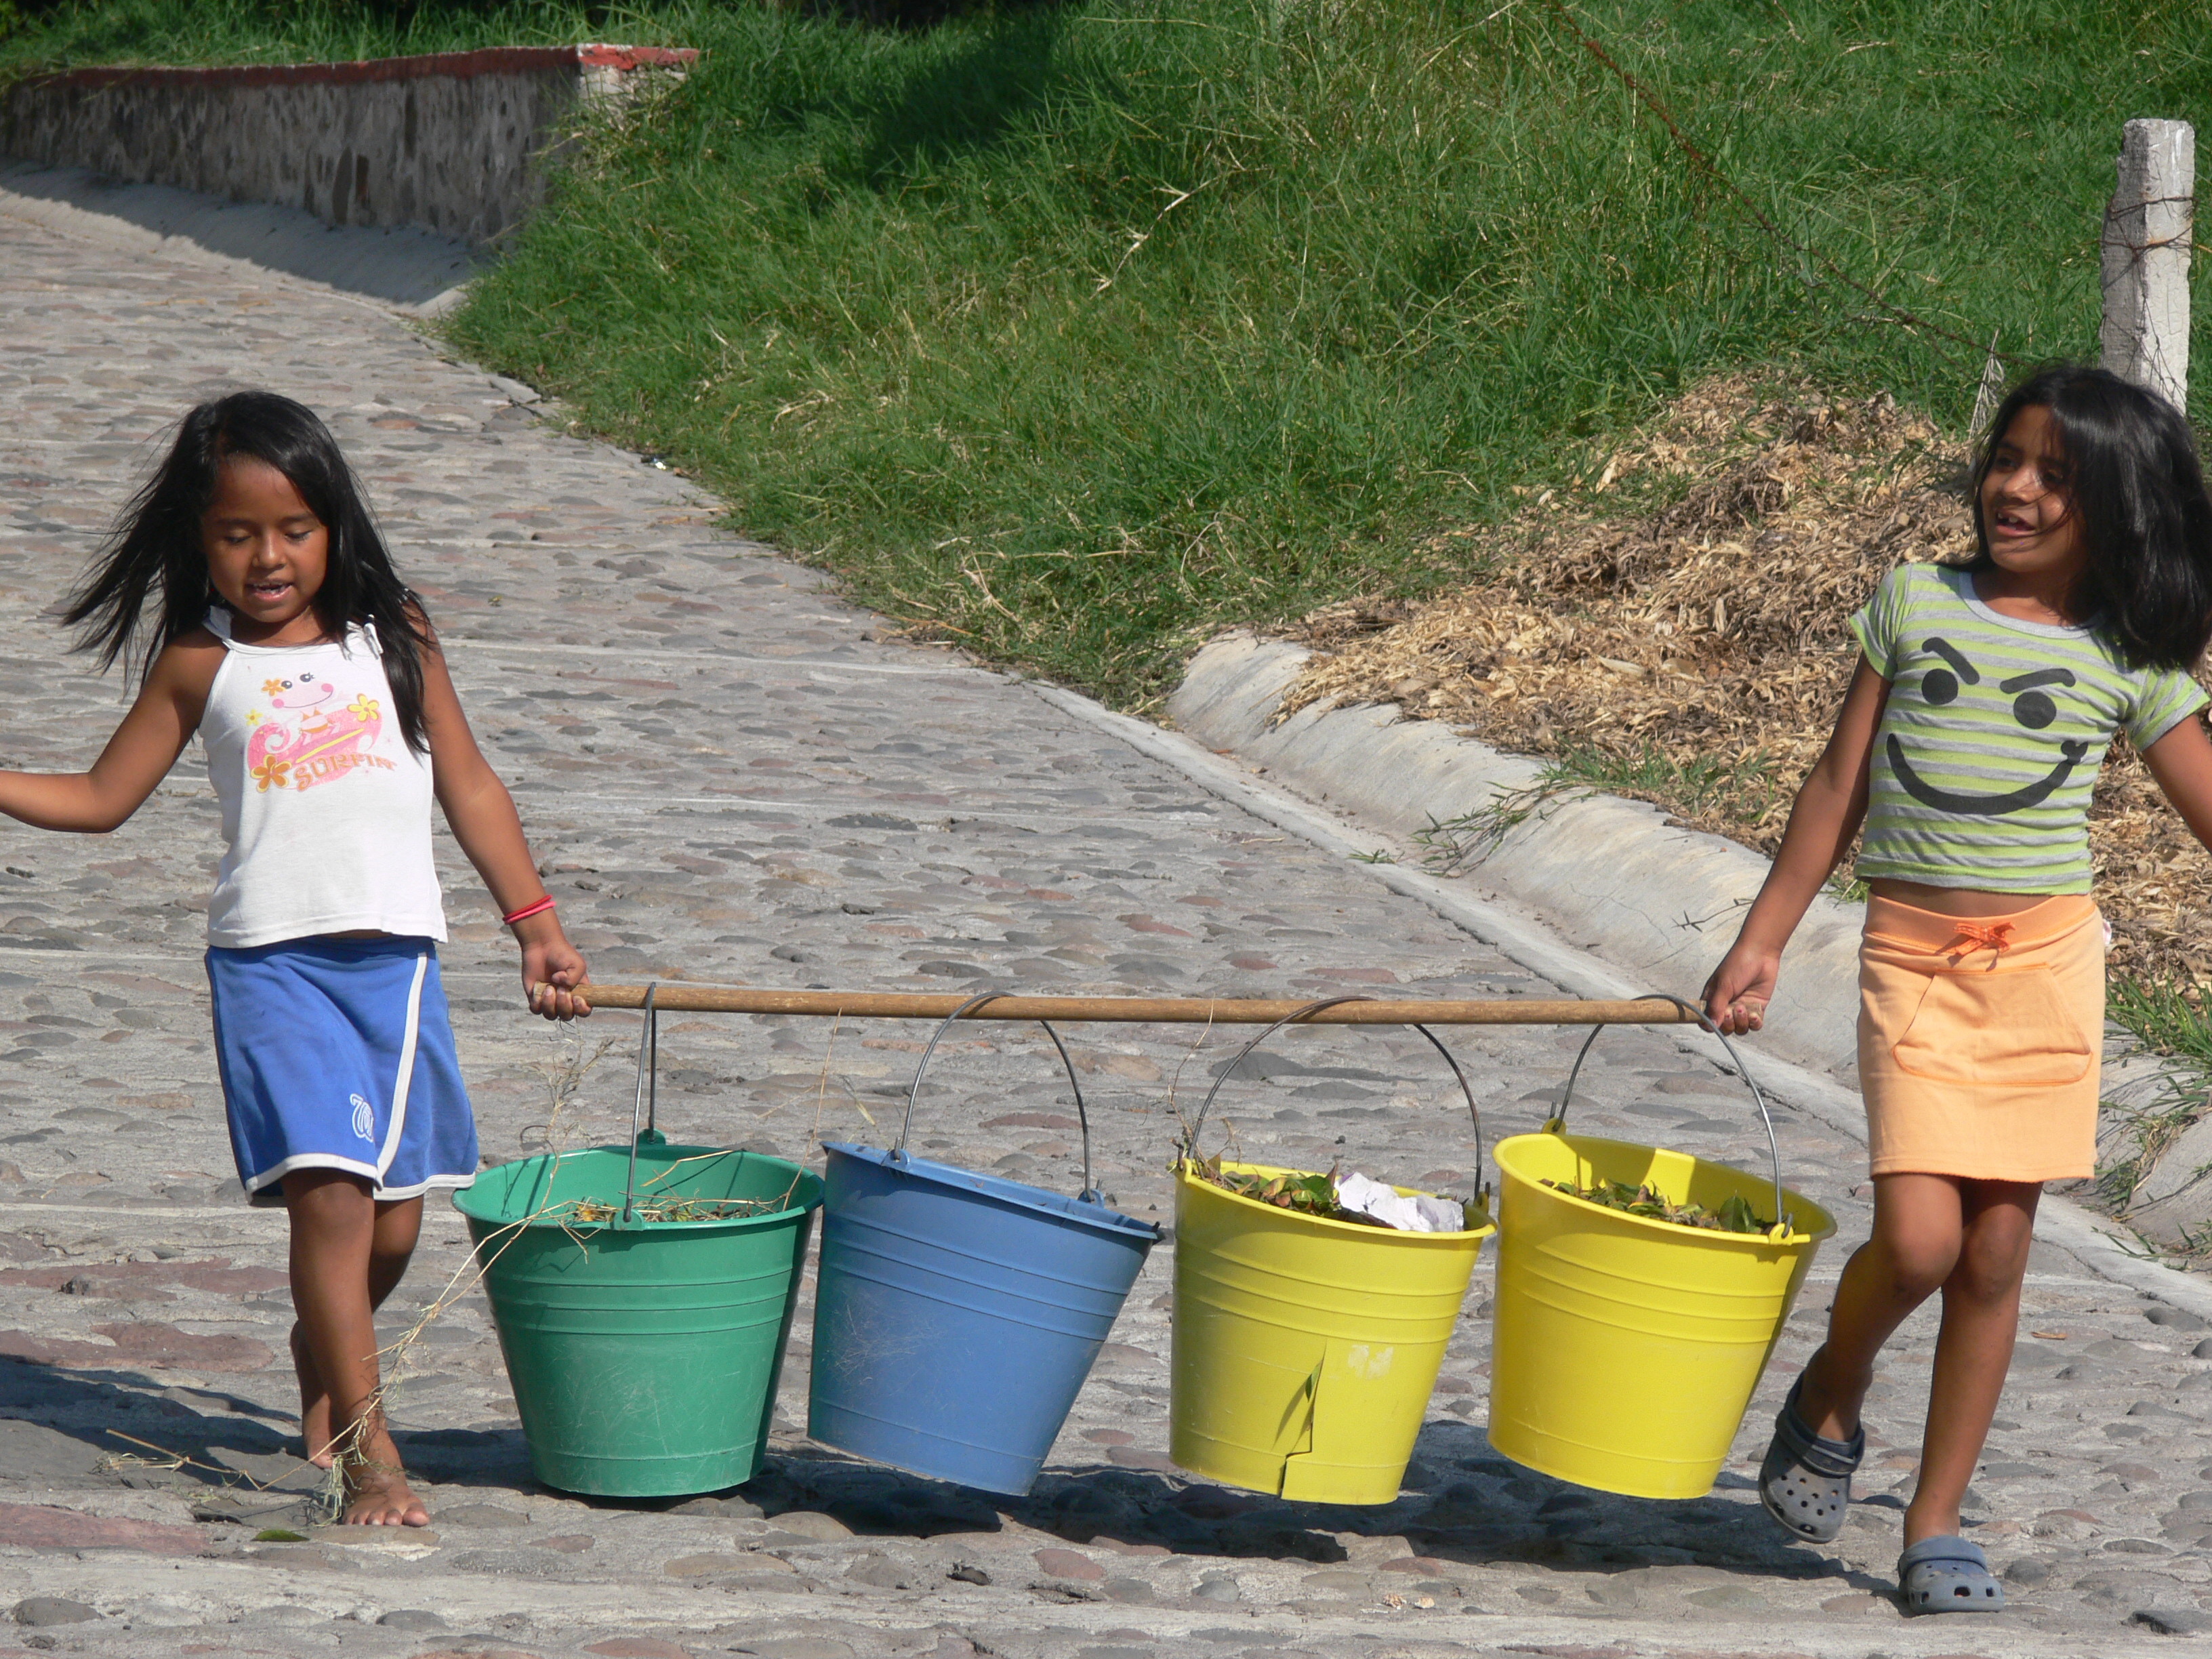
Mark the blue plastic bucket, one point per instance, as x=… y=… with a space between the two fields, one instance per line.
x=957 y=1315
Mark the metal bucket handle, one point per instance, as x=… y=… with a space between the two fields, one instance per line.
x=647 y=1102
x=1557 y=1124
x=1090 y=1195
x=1190 y=1140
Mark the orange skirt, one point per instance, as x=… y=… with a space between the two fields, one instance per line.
x=1979 y=1041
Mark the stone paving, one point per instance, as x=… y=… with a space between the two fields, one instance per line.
x=729 y=775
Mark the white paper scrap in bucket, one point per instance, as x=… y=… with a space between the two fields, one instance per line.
x=1418 y=1214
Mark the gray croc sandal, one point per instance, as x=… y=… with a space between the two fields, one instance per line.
x=1806 y=1481
x=1947 y=1574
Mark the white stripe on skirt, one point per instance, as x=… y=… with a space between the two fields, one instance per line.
x=399 y=1085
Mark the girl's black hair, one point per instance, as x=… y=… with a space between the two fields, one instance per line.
x=2138 y=492
x=156 y=544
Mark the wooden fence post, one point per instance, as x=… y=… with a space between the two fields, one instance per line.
x=2148 y=231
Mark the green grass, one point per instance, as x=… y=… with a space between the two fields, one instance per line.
x=2165 y=1020
x=1643 y=772
x=1076 y=331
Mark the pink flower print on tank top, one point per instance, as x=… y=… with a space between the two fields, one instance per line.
x=310 y=740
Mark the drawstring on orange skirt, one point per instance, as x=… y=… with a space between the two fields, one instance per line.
x=1992 y=936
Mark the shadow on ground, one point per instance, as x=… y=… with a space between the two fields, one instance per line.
x=1463 y=1505
x=409 y=268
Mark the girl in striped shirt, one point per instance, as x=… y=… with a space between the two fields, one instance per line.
x=1983 y=701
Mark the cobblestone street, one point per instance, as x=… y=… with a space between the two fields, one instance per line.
x=729 y=776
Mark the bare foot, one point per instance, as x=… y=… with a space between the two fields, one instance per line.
x=377 y=1493
x=314 y=1402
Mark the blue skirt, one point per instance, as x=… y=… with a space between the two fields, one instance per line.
x=338 y=1054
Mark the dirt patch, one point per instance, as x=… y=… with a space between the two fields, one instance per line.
x=1673 y=628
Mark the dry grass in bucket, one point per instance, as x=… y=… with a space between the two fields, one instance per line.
x=669 y=1209
x=564 y=1073
x=1670 y=625
x=589 y=1211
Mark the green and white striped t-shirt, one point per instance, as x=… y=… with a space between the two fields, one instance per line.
x=1992 y=736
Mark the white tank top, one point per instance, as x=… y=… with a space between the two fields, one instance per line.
x=325 y=810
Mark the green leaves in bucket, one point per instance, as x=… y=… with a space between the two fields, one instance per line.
x=1306 y=1193
x=1734 y=1214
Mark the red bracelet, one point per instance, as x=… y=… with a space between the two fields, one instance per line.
x=527 y=911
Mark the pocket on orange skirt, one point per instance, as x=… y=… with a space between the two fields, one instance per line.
x=2010 y=1029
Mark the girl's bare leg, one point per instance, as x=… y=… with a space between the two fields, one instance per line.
x=391 y=1246
x=1974 y=1350
x=314 y=1400
x=1919 y=1230
x=335 y=1228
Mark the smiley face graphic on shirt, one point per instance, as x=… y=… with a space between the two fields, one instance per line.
x=2032 y=707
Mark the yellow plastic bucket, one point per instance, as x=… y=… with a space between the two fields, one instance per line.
x=1624 y=1350
x=1306 y=1349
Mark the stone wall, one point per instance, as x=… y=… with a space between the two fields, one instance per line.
x=450 y=142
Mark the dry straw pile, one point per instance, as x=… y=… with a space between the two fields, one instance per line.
x=1673 y=629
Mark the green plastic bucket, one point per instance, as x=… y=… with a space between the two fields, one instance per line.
x=643 y=1354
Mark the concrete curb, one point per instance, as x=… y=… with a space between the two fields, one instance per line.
x=1534 y=942
x=1613 y=876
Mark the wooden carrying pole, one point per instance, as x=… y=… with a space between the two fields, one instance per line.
x=682 y=996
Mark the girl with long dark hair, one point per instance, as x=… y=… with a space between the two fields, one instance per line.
x=247 y=588
x=1985 y=696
